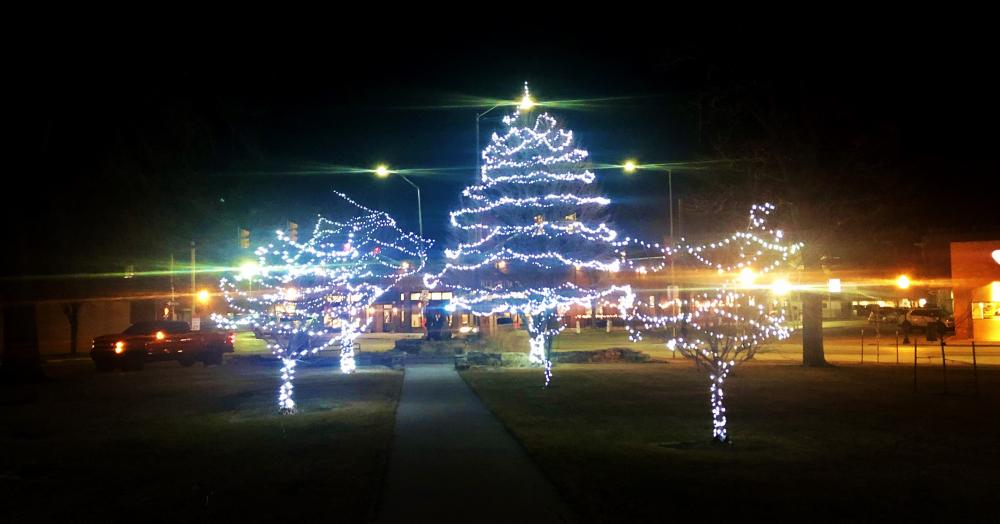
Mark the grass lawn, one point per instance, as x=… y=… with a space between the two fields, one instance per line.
x=248 y=344
x=194 y=444
x=629 y=442
x=593 y=339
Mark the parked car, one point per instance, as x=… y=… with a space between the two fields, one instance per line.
x=923 y=317
x=885 y=315
x=159 y=340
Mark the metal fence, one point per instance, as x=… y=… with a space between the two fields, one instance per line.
x=942 y=346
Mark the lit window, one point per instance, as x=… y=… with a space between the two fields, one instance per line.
x=436 y=296
x=446 y=295
x=417 y=317
x=414 y=296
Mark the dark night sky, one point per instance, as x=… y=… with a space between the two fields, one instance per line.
x=144 y=142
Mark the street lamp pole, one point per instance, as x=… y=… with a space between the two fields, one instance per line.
x=630 y=166
x=420 y=210
x=383 y=171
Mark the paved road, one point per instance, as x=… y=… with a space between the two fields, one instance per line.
x=452 y=461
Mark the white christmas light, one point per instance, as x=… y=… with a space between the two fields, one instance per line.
x=309 y=296
x=728 y=324
x=534 y=230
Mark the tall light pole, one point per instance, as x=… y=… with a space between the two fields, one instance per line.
x=194 y=285
x=382 y=171
x=629 y=167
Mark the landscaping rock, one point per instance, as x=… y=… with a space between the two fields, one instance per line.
x=514 y=360
x=600 y=356
x=409 y=345
x=479 y=358
x=390 y=359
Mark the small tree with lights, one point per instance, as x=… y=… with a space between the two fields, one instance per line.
x=533 y=239
x=307 y=297
x=719 y=328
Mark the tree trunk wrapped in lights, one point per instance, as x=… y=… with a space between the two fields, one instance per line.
x=728 y=324
x=307 y=297
x=533 y=240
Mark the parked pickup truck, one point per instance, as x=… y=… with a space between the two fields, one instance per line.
x=159 y=340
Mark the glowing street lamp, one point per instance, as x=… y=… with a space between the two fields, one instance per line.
x=903 y=282
x=834 y=286
x=629 y=167
x=248 y=269
x=382 y=171
x=747 y=276
x=526 y=102
x=203 y=296
x=781 y=287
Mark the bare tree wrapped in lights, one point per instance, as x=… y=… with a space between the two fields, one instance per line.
x=533 y=239
x=307 y=297
x=718 y=328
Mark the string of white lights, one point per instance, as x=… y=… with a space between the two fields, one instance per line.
x=533 y=233
x=306 y=297
x=718 y=328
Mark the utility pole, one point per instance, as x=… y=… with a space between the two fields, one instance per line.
x=194 y=285
x=173 y=293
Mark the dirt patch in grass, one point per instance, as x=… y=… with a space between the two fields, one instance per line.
x=630 y=442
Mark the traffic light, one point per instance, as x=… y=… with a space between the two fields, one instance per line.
x=293 y=231
x=244 y=238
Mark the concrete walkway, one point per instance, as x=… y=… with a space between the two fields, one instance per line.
x=452 y=461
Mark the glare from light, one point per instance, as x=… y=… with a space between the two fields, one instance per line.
x=526 y=103
x=995 y=291
x=629 y=166
x=781 y=287
x=160 y=335
x=203 y=296
x=381 y=171
x=248 y=269
x=903 y=282
x=833 y=286
x=747 y=277
x=922 y=302
x=291 y=294
x=119 y=347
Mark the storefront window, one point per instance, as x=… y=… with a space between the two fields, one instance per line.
x=417 y=316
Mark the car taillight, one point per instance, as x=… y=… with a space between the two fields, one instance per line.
x=231 y=338
x=119 y=347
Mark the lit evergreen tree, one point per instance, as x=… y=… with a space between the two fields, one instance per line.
x=534 y=240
